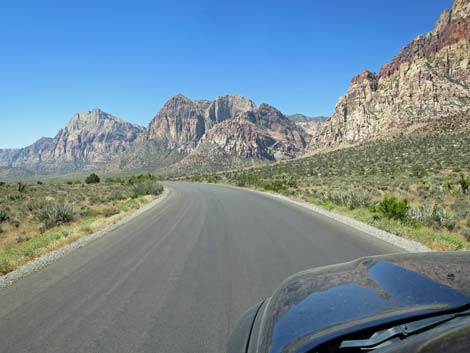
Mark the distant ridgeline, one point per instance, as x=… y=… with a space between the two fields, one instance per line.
x=426 y=84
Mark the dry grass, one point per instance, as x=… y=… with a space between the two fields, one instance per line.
x=37 y=218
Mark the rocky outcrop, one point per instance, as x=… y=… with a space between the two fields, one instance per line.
x=237 y=137
x=227 y=107
x=262 y=133
x=229 y=125
x=428 y=80
x=180 y=122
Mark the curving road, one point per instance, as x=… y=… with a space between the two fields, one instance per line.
x=174 y=279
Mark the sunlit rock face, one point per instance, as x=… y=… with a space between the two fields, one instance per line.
x=428 y=80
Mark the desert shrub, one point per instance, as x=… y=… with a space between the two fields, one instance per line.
x=111 y=180
x=109 y=211
x=4 y=216
x=464 y=182
x=36 y=204
x=21 y=187
x=435 y=216
x=14 y=222
x=213 y=178
x=54 y=214
x=92 y=179
x=86 y=211
x=141 y=178
x=2 y=183
x=117 y=195
x=39 y=182
x=467 y=234
x=97 y=199
x=393 y=208
x=276 y=185
x=147 y=187
x=290 y=180
x=352 y=199
x=5 y=266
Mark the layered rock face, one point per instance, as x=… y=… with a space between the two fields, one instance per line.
x=261 y=133
x=89 y=139
x=428 y=80
x=231 y=125
x=94 y=137
x=180 y=122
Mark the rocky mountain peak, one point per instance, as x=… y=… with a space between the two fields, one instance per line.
x=180 y=122
x=452 y=27
x=229 y=106
x=95 y=119
x=427 y=81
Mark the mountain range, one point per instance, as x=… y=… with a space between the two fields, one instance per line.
x=428 y=82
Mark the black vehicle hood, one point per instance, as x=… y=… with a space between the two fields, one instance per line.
x=315 y=306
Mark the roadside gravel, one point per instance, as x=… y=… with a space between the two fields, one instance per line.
x=403 y=243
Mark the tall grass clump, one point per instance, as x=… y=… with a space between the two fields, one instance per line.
x=54 y=214
x=433 y=216
x=352 y=199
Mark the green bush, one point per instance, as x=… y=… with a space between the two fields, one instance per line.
x=141 y=178
x=276 y=186
x=464 y=184
x=4 y=216
x=92 y=179
x=393 y=208
x=21 y=187
x=147 y=187
x=5 y=266
x=54 y=214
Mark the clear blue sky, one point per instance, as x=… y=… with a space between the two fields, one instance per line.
x=129 y=57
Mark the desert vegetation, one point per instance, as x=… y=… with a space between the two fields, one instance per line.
x=416 y=187
x=37 y=217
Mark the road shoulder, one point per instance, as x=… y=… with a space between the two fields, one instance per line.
x=400 y=242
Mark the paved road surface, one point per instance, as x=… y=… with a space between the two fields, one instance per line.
x=176 y=278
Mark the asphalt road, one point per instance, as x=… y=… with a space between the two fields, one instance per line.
x=174 y=279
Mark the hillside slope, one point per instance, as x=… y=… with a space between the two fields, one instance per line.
x=428 y=80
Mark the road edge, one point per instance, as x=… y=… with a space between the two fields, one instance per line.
x=53 y=256
x=400 y=242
